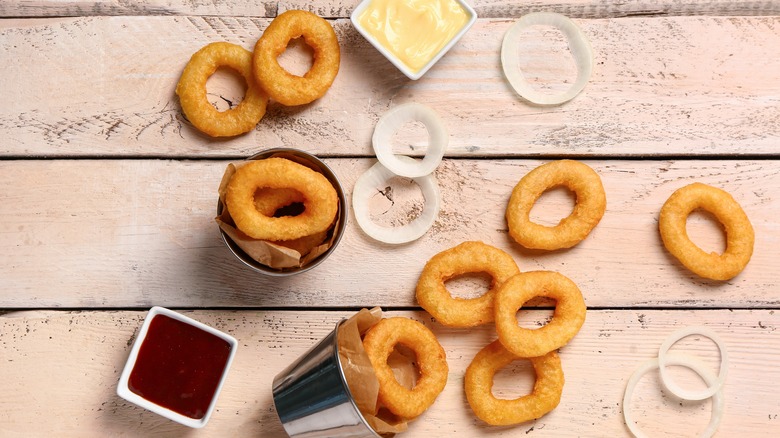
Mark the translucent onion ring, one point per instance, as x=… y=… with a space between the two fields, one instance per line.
x=670 y=384
x=392 y=121
x=578 y=44
x=682 y=360
x=366 y=186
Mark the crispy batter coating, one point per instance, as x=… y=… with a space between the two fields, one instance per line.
x=739 y=231
x=590 y=206
x=380 y=341
x=567 y=319
x=283 y=86
x=468 y=257
x=321 y=199
x=191 y=90
x=478 y=383
x=268 y=200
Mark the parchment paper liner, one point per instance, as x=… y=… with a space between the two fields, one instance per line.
x=268 y=253
x=360 y=376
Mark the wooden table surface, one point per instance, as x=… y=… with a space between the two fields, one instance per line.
x=108 y=202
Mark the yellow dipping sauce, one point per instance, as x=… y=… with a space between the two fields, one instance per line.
x=414 y=30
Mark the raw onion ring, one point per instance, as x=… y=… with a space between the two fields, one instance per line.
x=191 y=90
x=431 y=361
x=680 y=360
x=578 y=44
x=739 y=232
x=478 y=383
x=588 y=210
x=566 y=322
x=283 y=86
x=468 y=257
x=366 y=185
x=676 y=389
x=321 y=199
x=393 y=120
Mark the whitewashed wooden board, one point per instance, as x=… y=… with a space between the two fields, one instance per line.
x=127 y=233
x=343 y=8
x=661 y=87
x=59 y=372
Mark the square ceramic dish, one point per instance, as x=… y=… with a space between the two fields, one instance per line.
x=176 y=367
x=405 y=69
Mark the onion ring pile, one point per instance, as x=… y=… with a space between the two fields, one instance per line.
x=578 y=44
x=393 y=120
x=478 y=383
x=468 y=257
x=739 y=232
x=268 y=200
x=191 y=90
x=321 y=199
x=380 y=341
x=283 y=86
x=588 y=211
x=566 y=322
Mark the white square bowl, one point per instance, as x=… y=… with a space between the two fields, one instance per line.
x=123 y=389
x=394 y=59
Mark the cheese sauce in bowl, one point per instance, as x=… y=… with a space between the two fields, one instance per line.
x=413 y=34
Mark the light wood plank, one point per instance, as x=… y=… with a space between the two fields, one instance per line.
x=660 y=87
x=65 y=365
x=126 y=233
x=83 y=8
x=343 y=8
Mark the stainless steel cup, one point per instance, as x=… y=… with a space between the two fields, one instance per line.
x=312 y=397
x=316 y=164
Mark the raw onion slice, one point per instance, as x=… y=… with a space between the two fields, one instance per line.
x=671 y=385
x=367 y=185
x=682 y=360
x=392 y=121
x=578 y=44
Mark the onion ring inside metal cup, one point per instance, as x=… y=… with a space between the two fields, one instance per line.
x=312 y=398
x=317 y=165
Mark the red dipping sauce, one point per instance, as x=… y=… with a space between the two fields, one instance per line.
x=179 y=366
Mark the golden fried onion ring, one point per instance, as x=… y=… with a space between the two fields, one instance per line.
x=283 y=86
x=380 y=341
x=739 y=232
x=321 y=199
x=468 y=257
x=590 y=206
x=567 y=319
x=478 y=383
x=191 y=90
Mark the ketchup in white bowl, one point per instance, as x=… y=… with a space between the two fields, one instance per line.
x=177 y=367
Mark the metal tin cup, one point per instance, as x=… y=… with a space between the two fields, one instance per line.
x=312 y=398
x=317 y=165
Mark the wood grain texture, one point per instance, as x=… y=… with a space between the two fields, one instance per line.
x=127 y=233
x=660 y=87
x=66 y=365
x=343 y=8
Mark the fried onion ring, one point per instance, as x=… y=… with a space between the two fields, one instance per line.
x=590 y=206
x=468 y=257
x=191 y=90
x=567 y=319
x=283 y=86
x=478 y=383
x=380 y=341
x=739 y=232
x=321 y=199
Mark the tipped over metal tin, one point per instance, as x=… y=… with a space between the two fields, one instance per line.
x=312 y=397
x=317 y=165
